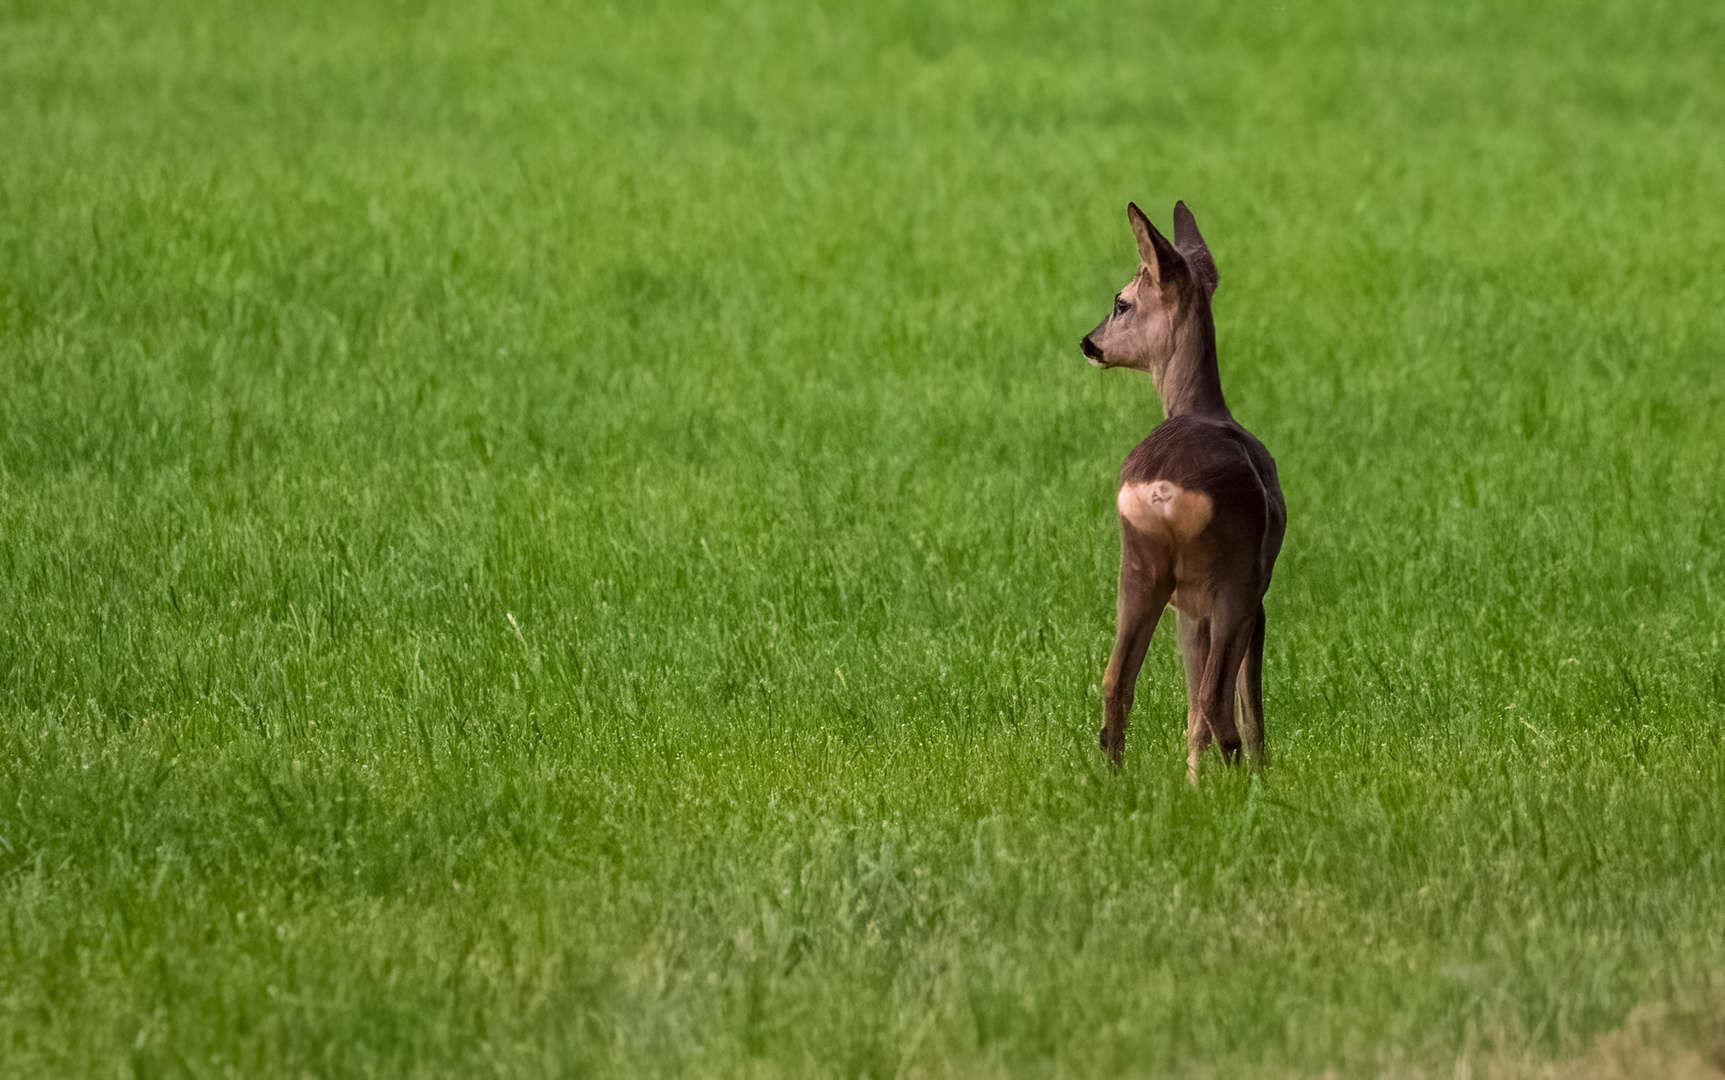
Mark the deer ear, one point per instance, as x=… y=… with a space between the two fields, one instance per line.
x=1154 y=250
x=1192 y=246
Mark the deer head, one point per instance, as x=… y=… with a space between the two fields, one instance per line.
x=1161 y=319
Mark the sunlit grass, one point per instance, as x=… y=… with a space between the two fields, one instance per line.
x=580 y=542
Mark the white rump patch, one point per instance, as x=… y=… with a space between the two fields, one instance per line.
x=1166 y=508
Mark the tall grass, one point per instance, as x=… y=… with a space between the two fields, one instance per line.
x=573 y=540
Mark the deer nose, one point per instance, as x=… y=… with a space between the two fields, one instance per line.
x=1090 y=349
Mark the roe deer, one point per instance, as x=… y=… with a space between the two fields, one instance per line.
x=1201 y=512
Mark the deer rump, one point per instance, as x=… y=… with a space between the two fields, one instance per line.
x=1201 y=477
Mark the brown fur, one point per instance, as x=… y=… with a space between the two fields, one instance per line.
x=1201 y=510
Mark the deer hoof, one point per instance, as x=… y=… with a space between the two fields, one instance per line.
x=1113 y=744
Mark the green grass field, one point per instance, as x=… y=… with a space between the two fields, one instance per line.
x=542 y=540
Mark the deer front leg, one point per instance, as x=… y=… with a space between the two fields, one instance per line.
x=1145 y=586
x=1195 y=655
x=1251 y=694
x=1210 y=713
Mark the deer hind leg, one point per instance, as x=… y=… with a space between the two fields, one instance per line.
x=1146 y=582
x=1211 y=712
x=1251 y=695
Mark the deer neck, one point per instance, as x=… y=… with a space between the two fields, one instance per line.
x=1190 y=384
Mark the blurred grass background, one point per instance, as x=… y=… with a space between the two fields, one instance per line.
x=572 y=540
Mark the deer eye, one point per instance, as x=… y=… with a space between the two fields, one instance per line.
x=1121 y=307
